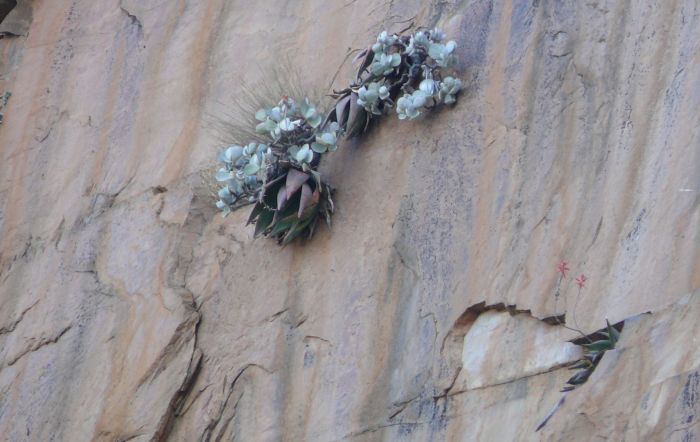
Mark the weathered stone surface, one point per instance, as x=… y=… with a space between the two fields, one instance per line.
x=15 y=17
x=648 y=388
x=129 y=310
x=527 y=347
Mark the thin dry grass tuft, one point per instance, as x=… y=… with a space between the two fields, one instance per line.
x=235 y=123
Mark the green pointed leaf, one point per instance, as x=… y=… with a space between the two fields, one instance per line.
x=326 y=190
x=257 y=209
x=583 y=363
x=288 y=214
x=613 y=334
x=270 y=194
x=264 y=221
x=282 y=225
x=296 y=229
x=312 y=226
x=598 y=346
x=327 y=215
x=580 y=377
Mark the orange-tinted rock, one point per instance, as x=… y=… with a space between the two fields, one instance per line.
x=129 y=309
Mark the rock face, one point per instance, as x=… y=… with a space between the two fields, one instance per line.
x=129 y=310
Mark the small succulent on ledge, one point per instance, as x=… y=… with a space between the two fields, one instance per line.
x=594 y=345
x=593 y=352
x=279 y=173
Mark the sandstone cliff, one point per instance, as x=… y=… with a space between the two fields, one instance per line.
x=130 y=310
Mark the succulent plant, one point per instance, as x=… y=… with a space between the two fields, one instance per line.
x=385 y=39
x=437 y=35
x=417 y=41
x=280 y=175
x=384 y=64
x=327 y=141
x=301 y=154
x=244 y=169
x=384 y=42
x=443 y=53
x=449 y=88
x=398 y=71
x=409 y=106
x=311 y=115
x=291 y=205
x=371 y=97
x=593 y=353
x=429 y=87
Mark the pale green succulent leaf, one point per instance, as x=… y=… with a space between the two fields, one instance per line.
x=318 y=147
x=315 y=120
x=223 y=175
x=261 y=115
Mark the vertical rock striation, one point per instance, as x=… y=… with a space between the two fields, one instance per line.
x=130 y=311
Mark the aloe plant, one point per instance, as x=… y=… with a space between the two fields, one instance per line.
x=291 y=205
x=593 y=352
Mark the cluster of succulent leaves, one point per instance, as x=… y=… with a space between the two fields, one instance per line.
x=403 y=72
x=592 y=354
x=280 y=175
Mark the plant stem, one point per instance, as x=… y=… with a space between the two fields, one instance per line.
x=557 y=292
